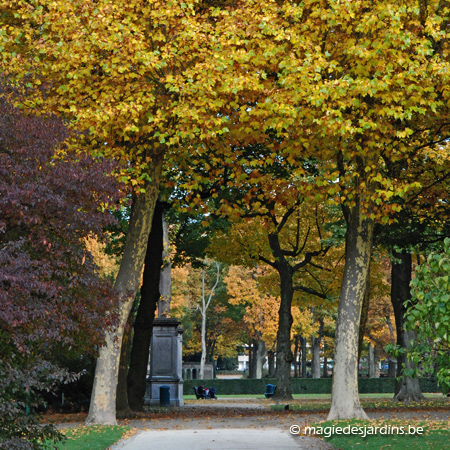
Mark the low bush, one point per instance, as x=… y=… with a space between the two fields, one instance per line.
x=302 y=385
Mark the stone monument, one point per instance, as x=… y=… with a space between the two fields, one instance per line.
x=166 y=361
x=166 y=344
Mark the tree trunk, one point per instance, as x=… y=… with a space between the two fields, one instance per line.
x=325 y=365
x=373 y=363
x=204 y=310
x=251 y=366
x=304 y=373
x=122 y=407
x=271 y=358
x=345 y=402
x=165 y=283
x=137 y=374
x=284 y=353
x=203 y=337
x=315 y=369
x=102 y=410
x=254 y=359
x=296 y=355
x=260 y=356
x=364 y=316
x=407 y=389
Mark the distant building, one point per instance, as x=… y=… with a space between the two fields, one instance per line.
x=191 y=371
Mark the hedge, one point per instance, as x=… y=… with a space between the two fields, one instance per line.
x=244 y=386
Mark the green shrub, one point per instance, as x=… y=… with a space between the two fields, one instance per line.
x=302 y=386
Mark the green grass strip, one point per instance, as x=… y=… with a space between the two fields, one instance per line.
x=392 y=435
x=94 y=437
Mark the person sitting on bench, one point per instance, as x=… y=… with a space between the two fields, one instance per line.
x=202 y=391
x=212 y=392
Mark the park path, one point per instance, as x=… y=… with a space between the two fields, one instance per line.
x=223 y=424
x=237 y=423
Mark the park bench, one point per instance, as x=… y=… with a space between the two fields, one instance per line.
x=197 y=394
x=270 y=390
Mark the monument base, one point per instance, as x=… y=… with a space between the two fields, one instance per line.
x=165 y=362
x=153 y=392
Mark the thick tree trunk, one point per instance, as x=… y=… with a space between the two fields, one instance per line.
x=122 y=407
x=304 y=373
x=284 y=353
x=102 y=410
x=315 y=369
x=345 y=402
x=407 y=389
x=143 y=324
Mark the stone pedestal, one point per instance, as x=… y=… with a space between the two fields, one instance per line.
x=165 y=362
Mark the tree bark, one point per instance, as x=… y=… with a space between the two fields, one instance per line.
x=123 y=409
x=296 y=355
x=251 y=366
x=364 y=317
x=260 y=356
x=285 y=320
x=102 y=410
x=315 y=366
x=204 y=310
x=304 y=373
x=254 y=366
x=325 y=365
x=373 y=363
x=165 y=283
x=345 y=402
x=407 y=389
x=271 y=359
x=143 y=325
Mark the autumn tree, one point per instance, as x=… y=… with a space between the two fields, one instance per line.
x=293 y=243
x=359 y=86
x=223 y=332
x=417 y=229
x=105 y=71
x=54 y=300
x=248 y=287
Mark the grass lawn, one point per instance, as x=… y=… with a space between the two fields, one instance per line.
x=319 y=402
x=91 y=438
x=434 y=437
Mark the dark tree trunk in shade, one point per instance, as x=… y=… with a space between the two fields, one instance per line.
x=271 y=361
x=296 y=355
x=407 y=389
x=123 y=409
x=285 y=320
x=253 y=351
x=304 y=373
x=137 y=373
x=325 y=365
x=250 y=361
